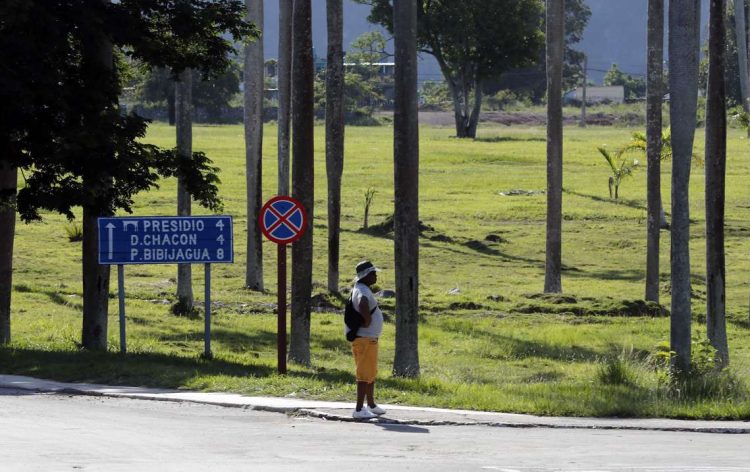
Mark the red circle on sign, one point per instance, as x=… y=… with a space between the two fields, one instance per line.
x=273 y=217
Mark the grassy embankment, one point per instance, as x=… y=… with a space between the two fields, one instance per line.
x=496 y=345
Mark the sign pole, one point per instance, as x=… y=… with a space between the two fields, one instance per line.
x=121 y=296
x=207 y=335
x=281 y=328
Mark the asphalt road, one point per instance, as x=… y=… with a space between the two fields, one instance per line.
x=53 y=432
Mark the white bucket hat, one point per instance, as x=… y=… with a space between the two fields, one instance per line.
x=363 y=269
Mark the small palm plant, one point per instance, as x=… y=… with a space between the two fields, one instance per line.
x=639 y=143
x=621 y=165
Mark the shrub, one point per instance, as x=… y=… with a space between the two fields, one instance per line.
x=74 y=231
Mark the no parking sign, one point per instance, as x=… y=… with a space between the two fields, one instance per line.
x=282 y=220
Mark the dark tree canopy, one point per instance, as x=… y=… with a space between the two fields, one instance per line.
x=77 y=146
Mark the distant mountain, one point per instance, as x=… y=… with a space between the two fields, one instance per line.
x=616 y=34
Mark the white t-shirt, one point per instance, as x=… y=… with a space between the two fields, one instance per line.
x=376 y=325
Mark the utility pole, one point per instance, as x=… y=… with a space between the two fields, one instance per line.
x=582 y=124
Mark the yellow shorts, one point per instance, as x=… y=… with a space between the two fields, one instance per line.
x=365 y=352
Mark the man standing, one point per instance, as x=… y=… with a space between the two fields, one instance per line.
x=365 y=344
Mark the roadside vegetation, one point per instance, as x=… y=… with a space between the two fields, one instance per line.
x=488 y=339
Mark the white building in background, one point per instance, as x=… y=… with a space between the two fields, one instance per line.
x=611 y=94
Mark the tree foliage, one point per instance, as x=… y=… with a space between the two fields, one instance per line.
x=472 y=41
x=211 y=94
x=635 y=87
x=73 y=134
x=533 y=79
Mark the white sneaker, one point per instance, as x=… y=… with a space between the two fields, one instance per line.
x=376 y=409
x=363 y=414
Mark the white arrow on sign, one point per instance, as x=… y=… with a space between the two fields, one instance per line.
x=110 y=227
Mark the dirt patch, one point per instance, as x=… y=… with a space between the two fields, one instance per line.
x=325 y=302
x=625 y=308
x=385 y=228
x=554 y=298
x=465 y=306
x=495 y=238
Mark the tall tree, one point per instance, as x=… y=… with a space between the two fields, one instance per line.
x=406 y=189
x=303 y=120
x=740 y=30
x=716 y=155
x=254 y=72
x=472 y=41
x=285 y=92
x=555 y=47
x=8 y=180
x=334 y=134
x=684 y=29
x=654 y=94
x=183 y=91
x=98 y=67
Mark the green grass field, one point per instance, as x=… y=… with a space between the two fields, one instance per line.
x=495 y=345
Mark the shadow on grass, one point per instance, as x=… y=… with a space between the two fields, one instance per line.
x=612 y=274
x=235 y=340
x=486 y=250
x=621 y=202
x=136 y=369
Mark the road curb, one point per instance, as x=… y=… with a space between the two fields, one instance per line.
x=502 y=424
x=399 y=415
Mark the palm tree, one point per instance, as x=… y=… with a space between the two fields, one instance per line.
x=98 y=54
x=8 y=183
x=741 y=39
x=684 y=28
x=254 y=147
x=655 y=92
x=621 y=167
x=303 y=119
x=285 y=91
x=406 y=188
x=334 y=134
x=184 y=128
x=555 y=46
x=716 y=154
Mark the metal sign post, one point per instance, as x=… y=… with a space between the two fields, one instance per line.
x=121 y=296
x=207 y=319
x=165 y=240
x=282 y=220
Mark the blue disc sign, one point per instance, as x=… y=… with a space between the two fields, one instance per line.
x=283 y=220
x=165 y=240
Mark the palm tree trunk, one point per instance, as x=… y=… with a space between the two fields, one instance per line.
x=98 y=64
x=655 y=73
x=254 y=147
x=334 y=134
x=285 y=92
x=741 y=39
x=555 y=46
x=406 y=189
x=684 y=24
x=302 y=178
x=716 y=154
x=184 y=128
x=8 y=183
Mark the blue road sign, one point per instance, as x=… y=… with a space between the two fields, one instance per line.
x=165 y=240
